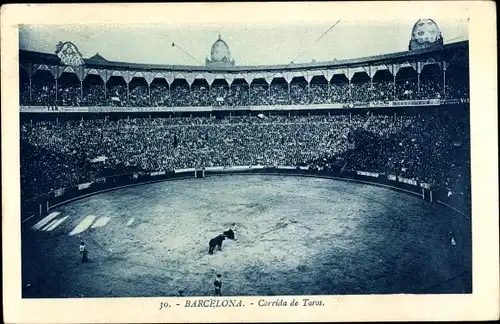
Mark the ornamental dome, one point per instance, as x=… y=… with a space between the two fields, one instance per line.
x=220 y=54
x=425 y=33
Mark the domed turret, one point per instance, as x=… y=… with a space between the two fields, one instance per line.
x=220 y=54
x=425 y=33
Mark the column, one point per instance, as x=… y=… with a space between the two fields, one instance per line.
x=418 y=82
x=444 y=79
x=149 y=95
x=170 y=102
x=128 y=91
x=81 y=90
x=30 y=90
x=56 y=91
x=394 y=84
x=169 y=95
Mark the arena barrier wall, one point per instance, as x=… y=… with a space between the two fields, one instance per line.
x=43 y=204
x=372 y=104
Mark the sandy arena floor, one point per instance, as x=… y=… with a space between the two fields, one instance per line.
x=296 y=236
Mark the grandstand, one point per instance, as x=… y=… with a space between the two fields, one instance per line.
x=424 y=74
x=90 y=124
x=112 y=95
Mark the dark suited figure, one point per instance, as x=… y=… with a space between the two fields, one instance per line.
x=218 y=285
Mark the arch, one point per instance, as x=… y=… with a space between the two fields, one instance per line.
x=179 y=82
x=239 y=76
x=68 y=78
x=319 y=79
x=138 y=81
x=161 y=81
x=278 y=75
x=43 y=88
x=339 y=78
x=239 y=82
x=259 y=81
x=93 y=90
x=42 y=76
x=360 y=77
x=116 y=73
x=116 y=80
x=406 y=73
x=138 y=91
x=160 y=92
x=199 y=76
x=68 y=69
x=158 y=75
x=43 y=67
x=91 y=79
x=279 y=81
x=179 y=75
x=299 y=80
x=200 y=83
x=93 y=71
x=220 y=82
x=69 y=89
x=431 y=70
x=382 y=76
x=138 y=74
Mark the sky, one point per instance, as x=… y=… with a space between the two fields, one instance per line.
x=249 y=44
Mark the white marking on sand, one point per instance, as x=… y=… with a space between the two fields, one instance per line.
x=84 y=225
x=49 y=225
x=45 y=220
x=56 y=224
x=101 y=222
x=130 y=222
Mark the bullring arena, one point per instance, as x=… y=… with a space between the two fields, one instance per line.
x=347 y=176
x=296 y=235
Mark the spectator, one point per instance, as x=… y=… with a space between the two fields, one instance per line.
x=428 y=148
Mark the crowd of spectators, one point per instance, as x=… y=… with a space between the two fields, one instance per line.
x=429 y=148
x=182 y=95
